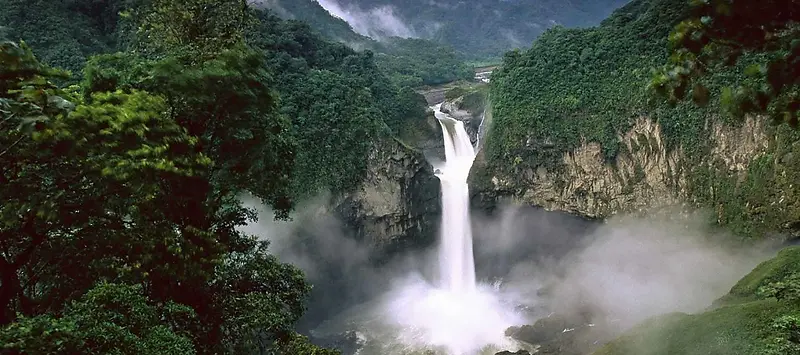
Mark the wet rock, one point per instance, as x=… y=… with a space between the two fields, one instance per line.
x=472 y=120
x=521 y=352
x=396 y=205
x=348 y=343
x=562 y=335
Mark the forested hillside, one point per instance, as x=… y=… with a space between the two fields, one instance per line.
x=576 y=86
x=478 y=29
x=669 y=103
x=118 y=231
x=63 y=33
x=406 y=61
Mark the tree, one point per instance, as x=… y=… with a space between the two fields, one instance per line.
x=109 y=319
x=193 y=30
x=83 y=183
x=113 y=187
x=722 y=33
x=193 y=54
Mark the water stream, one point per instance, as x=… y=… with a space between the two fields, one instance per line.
x=456 y=261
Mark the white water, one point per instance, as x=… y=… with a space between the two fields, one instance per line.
x=456 y=264
x=456 y=315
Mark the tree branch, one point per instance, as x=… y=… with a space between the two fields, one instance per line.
x=11 y=146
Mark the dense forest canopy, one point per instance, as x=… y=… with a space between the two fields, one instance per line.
x=718 y=34
x=409 y=62
x=120 y=232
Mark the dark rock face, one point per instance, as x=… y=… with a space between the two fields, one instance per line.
x=564 y=334
x=521 y=352
x=396 y=207
x=347 y=343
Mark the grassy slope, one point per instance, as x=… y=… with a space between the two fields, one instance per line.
x=576 y=84
x=741 y=324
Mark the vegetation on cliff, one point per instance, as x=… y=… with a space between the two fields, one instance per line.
x=760 y=315
x=718 y=34
x=589 y=85
x=416 y=62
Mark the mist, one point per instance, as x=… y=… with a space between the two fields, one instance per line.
x=378 y=23
x=622 y=271
x=619 y=272
x=342 y=269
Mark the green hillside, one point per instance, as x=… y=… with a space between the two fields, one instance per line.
x=576 y=84
x=760 y=316
x=406 y=61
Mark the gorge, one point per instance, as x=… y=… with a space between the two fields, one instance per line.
x=256 y=177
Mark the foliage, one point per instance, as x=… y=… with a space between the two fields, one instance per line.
x=781 y=267
x=786 y=339
x=63 y=33
x=191 y=30
x=589 y=85
x=787 y=289
x=109 y=319
x=409 y=62
x=227 y=103
x=417 y=62
x=746 y=326
x=576 y=84
x=718 y=34
x=313 y=14
x=132 y=179
x=298 y=344
x=339 y=101
x=185 y=35
x=125 y=186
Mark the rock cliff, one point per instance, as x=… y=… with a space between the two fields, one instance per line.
x=644 y=175
x=396 y=206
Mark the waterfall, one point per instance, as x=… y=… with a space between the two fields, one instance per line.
x=455 y=316
x=456 y=264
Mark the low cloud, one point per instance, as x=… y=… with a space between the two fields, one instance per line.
x=379 y=22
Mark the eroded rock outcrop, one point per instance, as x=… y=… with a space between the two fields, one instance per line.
x=645 y=174
x=471 y=116
x=396 y=205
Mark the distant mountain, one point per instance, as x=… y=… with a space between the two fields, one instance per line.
x=478 y=28
x=406 y=61
x=312 y=13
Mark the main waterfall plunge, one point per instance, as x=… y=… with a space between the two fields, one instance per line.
x=454 y=315
x=457 y=265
